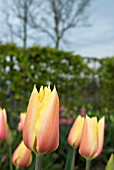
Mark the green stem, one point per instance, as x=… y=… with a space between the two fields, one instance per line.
x=10 y=156
x=38 y=165
x=88 y=164
x=17 y=168
x=73 y=159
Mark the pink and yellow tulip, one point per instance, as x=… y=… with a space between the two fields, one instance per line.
x=22 y=156
x=92 y=139
x=41 y=128
x=76 y=132
x=3 y=124
x=22 y=120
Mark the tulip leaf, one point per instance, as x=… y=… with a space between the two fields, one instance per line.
x=69 y=160
x=110 y=164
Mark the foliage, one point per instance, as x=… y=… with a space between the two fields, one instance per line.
x=77 y=84
x=106 y=76
x=110 y=164
x=20 y=70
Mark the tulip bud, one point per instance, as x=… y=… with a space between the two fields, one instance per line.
x=22 y=156
x=83 y=111
x=69 y=121
x=3 y=124
x=62 y=109
x=22 y=120
x=4 y=158
x=71 y=112
x=76 y=132
x=62 y=121
x=110 y=164
x=92 y=138
x=105 y=127
x=41 y=128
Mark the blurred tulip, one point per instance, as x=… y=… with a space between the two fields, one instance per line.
x=76 y=132
x=105 y=127
x=62 y=109
x=83 y=111
x=71 y=112
x=22 y=120
x=110 y=163
x=3 y=124
x=64 y=121
x=69 y=121
x=92 y=138
x=22 y=156
x=3 y=159
x=41 y=128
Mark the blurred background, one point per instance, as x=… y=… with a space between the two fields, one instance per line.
x=67 y=43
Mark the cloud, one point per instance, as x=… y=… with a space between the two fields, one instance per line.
x=97 y=40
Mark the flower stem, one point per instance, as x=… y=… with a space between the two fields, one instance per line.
x=17 y=168
x=88 y=164
x=10 y=156
x=73 y=159
x=38 y=165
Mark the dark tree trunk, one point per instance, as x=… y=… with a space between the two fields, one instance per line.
x=25 y=26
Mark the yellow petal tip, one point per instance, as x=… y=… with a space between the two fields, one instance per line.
x=35 y=89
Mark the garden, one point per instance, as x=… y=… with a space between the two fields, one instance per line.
x=82 y=93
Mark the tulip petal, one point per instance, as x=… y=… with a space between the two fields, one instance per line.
x=22 y=156
x=76 y=132
x=88 y=142
x=5 y=116
x=100 y=137
x=3 y=125
x=22 y=120
x=47 y=129
x=31 y=118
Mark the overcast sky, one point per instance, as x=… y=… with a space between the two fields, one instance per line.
x=97 y=40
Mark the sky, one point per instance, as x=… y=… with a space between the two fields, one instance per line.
x=98 y=39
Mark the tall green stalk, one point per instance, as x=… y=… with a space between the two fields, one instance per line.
x=38 y=165
x=17 y=168
x=10 y=156
x=88 y=164
x=73 y=159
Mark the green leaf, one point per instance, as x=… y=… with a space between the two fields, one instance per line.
x=110 y=164
x=69 y=160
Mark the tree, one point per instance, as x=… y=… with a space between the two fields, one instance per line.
x=58 y=17
x=17 y=18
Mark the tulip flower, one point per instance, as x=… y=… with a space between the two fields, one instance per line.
x=22 y=156
x=3 y=124
x=71 y=112
x=105 y=127
x=92 y=139
x=41 y=128
x=110 y=163
x=64 y=121
x=69 y=121
x=21 y=123
x=83 y=111
x=76 y=132
x=62 y=109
